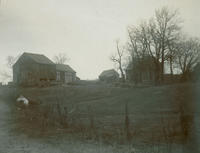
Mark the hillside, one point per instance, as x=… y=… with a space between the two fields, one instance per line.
x=156 y=114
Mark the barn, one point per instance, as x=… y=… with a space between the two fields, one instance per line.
x=32 y=69
x=65 y=74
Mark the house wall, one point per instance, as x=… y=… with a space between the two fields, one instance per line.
x=140 y=76
x=66 y=77
x=69 y=77
x=20 y=69
x=109 y=78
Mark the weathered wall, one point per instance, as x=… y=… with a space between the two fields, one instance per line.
x=68 y=77
x=28 y=72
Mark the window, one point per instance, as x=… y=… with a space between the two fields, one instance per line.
x=58 y=76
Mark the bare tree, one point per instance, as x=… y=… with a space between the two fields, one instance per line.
x=167 y=26
x=153 y=38
x=188 y=55
x=61 y=58
x=117 y=58
x=172 y=53
x=7 y=74
x=138 y=50
x=137 y=41
x=10 y=61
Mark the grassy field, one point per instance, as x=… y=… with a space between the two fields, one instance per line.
x=148 y=108
x=156 y=115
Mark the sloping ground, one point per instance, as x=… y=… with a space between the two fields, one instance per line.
x=19 y=143
x=196 y=135
x=10 y=142
x=150 y=111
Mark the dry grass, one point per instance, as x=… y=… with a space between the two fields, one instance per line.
x=155 y=115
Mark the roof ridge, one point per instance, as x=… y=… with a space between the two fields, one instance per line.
x=62 y=64
x=39 y=58
x=33 y=53
x=64 y=67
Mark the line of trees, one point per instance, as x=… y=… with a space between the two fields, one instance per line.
x=162 y=39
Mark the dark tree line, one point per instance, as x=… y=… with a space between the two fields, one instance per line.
x=162 y=39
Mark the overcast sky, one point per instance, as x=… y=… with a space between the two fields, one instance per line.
x=85 y=30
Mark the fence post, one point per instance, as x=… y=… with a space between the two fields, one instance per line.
x=127 y=123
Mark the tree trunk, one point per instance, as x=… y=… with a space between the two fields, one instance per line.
x=162 y=67
x=157 y=72
x=122 y=73
x=171 y=69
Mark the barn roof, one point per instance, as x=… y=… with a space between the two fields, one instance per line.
x=63 y=67
x=108 y=73
x=39 y=58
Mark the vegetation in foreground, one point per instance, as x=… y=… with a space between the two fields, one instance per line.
x=109 y=115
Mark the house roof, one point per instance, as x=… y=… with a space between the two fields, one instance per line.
x=39 y=58
x=108 y=73
x=63 y=67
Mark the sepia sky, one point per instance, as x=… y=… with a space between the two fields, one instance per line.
x=85 y=30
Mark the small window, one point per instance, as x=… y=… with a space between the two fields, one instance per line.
x=58 y=76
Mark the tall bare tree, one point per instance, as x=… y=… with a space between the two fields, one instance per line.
x=137 y=40
x=61 y=58
x=117 y=58
x=144 y=41
x=154 y=38
x=167 y=26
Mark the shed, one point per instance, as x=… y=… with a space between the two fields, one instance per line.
x=109 y=75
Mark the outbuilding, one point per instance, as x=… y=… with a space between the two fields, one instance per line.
x=109 y=76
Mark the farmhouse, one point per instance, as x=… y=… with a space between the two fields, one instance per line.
x=141 y=70
x=36 y=69
x=109 y=75
x=145 y=71
x=65 y=74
